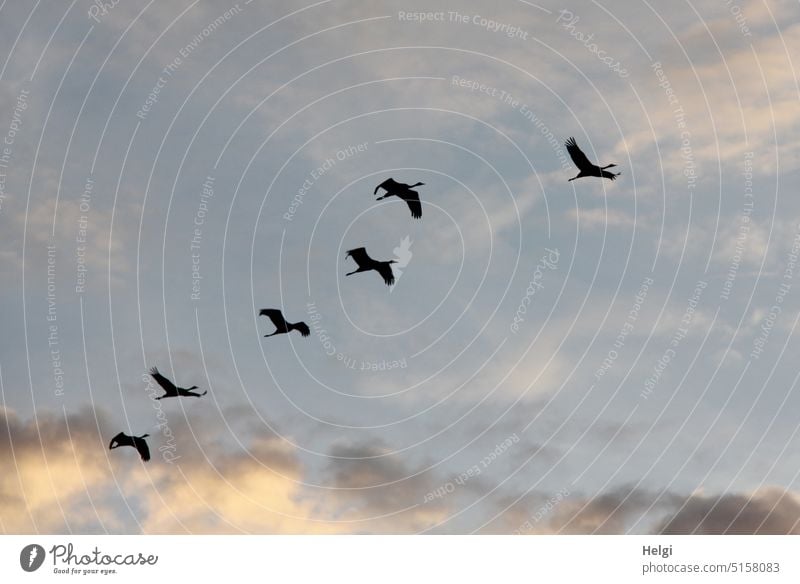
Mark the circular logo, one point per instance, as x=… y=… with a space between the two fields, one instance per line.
x=31 y=557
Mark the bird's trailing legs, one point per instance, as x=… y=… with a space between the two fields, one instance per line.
x=186 y=393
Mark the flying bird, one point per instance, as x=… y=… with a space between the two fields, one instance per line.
x=281 y=325
x=170 y=388
x=402 y=190
x=585 y=167
x=366 y=263
x=138 y=442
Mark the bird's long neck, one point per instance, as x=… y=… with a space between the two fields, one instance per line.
x=416 y=185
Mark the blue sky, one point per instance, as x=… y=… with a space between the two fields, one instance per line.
x=647 y=382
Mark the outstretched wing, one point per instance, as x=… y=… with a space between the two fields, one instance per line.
x=168 y=386
x=412 y=199
x=142 y=447
x=385 y=270
x=389 y=184
x=303 y=328
x=276 y=316
x=360 y=256
x=117 y=441
x=577 y=155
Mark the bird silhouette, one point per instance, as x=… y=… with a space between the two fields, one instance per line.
x=281 y=325
x=366 y=263
x=138 y=442
x=403 y=191
x=585 y=167
x=170 y=388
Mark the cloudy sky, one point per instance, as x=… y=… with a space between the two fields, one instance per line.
x=555 y=357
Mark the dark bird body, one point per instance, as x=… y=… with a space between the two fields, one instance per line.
x=281 y=325
x=403 y=191
x=138 y=442
x=585 y=167
x=170 y=388
x=366 y=263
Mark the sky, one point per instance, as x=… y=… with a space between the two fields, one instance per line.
x=556 y=357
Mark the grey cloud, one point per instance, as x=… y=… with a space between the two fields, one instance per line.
x=770 y=511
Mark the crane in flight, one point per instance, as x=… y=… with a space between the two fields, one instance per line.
x=366 y=263
x=403 y=191
x=171 y=389
x=281 y=325
x=585 y=167
x=138 y=442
